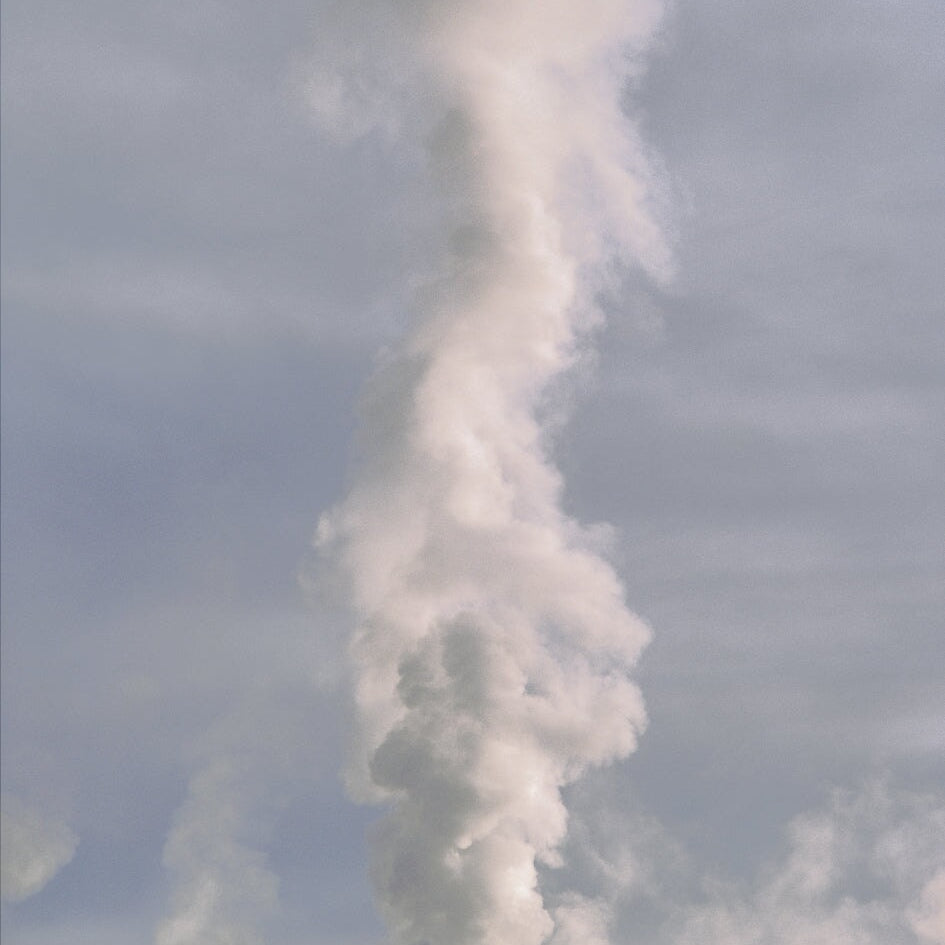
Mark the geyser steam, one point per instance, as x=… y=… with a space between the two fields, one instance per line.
x=492 y=654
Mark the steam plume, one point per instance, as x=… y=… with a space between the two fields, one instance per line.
x=868 y=869
x=224 y=890
x=223 y=885
x=35 y=848
x=492 y=655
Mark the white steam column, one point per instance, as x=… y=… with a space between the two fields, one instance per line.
x=492 y=656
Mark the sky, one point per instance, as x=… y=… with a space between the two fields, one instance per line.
x=218 y=219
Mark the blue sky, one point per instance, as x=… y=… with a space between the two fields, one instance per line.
x=198 y=277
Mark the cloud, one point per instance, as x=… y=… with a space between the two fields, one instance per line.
x=35 y=847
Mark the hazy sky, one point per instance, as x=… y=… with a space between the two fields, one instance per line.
x=199 y=271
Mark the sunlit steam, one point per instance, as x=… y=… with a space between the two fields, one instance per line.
x=490 y=664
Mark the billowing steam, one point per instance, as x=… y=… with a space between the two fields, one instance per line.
x=492 y=655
